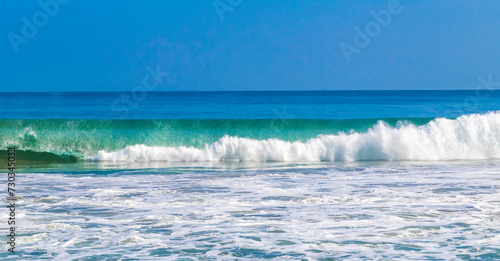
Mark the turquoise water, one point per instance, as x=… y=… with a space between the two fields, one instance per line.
x=401 y=175
x=60 y=139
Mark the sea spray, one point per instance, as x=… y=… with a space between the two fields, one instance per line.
x=473 y=136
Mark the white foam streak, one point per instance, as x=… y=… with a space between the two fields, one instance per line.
x=475 y=136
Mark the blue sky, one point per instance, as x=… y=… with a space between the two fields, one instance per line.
x=258 y=45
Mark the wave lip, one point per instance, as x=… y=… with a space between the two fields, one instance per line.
x=469 y=137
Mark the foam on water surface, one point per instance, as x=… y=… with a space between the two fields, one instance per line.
x=475 y=136
x=392 y=211
x=468 y=137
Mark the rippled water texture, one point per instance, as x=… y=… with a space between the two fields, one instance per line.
x=385 y=211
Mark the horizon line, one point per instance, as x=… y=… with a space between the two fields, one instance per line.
x=345 y=90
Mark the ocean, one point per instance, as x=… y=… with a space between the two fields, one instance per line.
x=283 y=175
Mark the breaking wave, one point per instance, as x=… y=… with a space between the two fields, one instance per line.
x=469 y=137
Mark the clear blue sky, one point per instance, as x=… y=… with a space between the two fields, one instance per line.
x=96 y=45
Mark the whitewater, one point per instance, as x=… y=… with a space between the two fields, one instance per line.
x=385 y=175
x=469 y=137
x=344 y=211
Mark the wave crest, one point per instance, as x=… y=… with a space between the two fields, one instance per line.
x=475 y=136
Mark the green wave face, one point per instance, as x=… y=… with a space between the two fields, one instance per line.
x=69 y=139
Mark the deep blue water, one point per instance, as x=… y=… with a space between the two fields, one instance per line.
x=254 y=175
x=248 y=105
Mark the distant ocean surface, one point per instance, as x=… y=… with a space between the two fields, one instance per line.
x=320 y=175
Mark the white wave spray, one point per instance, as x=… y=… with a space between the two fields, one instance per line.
x=475 y=136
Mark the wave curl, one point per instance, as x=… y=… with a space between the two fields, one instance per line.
x=469 y=137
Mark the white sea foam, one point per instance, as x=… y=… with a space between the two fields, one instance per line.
x=380 y=211
x=475 y=136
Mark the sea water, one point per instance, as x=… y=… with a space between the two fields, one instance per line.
x=386 y=175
